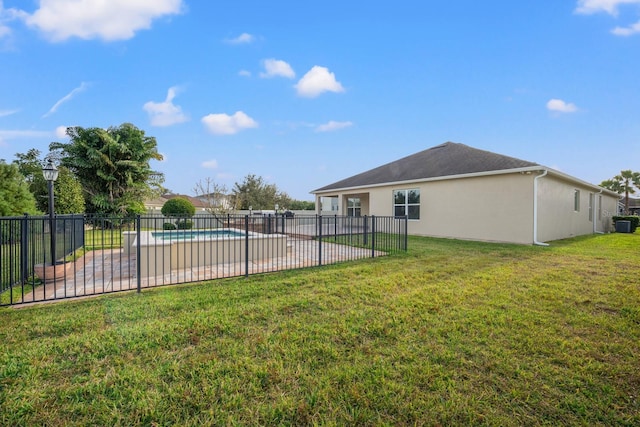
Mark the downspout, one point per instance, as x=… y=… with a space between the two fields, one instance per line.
x=535 y=209
x=595 y=222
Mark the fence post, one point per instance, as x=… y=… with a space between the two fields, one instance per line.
x=366 y=223
x=246 y=246
x=406 y=232
x=320 y=240
x=335 y=228
x=138 y=255
x=24 y=249
x=373 y=236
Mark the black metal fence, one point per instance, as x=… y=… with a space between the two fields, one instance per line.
x=29 y=241
x=95 y=255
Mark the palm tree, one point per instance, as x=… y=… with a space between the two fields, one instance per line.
x=626 y=182
x=112 y=165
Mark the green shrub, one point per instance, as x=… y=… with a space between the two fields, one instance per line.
x=178 y=207
x=168 y=226
x=184 y=224
x=634 y=219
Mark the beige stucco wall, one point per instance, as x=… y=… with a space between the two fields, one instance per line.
x=496 y=208
x=476 y=208
x=557 y=217
x=468 y=208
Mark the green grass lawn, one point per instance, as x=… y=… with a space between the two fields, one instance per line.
x=102 y=239
x=451 y=333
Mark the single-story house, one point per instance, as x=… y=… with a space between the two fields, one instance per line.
x=155 y=205
x=216 y=201
x=456 y=191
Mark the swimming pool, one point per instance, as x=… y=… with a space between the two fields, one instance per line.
x=172 y=235
x=164 y=251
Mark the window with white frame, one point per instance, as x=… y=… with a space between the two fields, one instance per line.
x=406 y=202
x=329 y=203
x=591 y=200
x=354 y=206
x=576 y=200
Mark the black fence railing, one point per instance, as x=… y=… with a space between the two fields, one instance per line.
x=95 y=255
x=29 y=241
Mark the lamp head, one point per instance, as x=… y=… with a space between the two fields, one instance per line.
x=50 y=171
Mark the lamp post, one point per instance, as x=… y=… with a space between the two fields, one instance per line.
x=50 y=173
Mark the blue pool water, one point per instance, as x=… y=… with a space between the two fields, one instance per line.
x=196 y=234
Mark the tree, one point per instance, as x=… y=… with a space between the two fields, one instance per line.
x=180 y=208
x=213 y=196
x=67 y=189
x=301 y=205
x=29 y=164
x=113 y=167
x=67 y=192
x=255 y=193
x=625 y=183
x=15 y=197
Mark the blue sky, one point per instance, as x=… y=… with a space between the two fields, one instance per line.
x=304 y=94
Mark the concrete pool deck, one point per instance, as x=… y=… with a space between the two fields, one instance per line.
x=112 y=270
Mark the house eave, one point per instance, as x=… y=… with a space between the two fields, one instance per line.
x=438 y=178
x=573 y=179
x=524 y=170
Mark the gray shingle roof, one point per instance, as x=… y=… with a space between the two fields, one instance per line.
x=443 y=160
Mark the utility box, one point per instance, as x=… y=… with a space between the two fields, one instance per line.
x=623 y=226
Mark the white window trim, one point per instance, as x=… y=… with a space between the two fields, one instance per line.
x=406 y=203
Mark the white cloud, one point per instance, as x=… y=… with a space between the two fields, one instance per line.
x=4 y=113
x=11 y=134
x=91 y=19
x=628 y=31
x=333 y=126
x=7 y=15
x=244 y=38
x=244 y=73
x=589 y=7
x=5 y=31
x=277 y=68
x=165 y=113
x=224 y=124
x=7 y=135
x=210 y=164
x=558 y=105
x=66 y=98
x=61 y=132
x=317 y=81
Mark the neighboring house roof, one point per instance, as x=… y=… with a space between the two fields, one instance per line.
x=157 y=202
x=448 y=159
x=634 y=203
x=216 y=199
x=197 y=203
